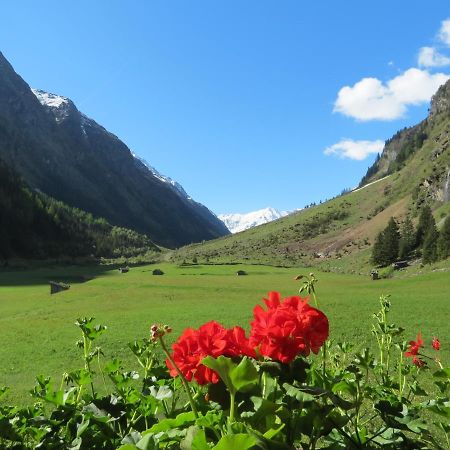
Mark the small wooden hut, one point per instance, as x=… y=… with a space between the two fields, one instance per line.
x=400 y=265
x=56 y=287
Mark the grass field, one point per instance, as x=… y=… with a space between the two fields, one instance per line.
x=38 y=332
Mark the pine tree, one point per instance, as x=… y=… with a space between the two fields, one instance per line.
x=407 y=239
x=392 y=240
x=443 y=242
x=386 y=247
x=426 y=221
x=378 y=250
x=429 y=249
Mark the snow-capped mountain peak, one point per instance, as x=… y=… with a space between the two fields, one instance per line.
x=57 y=103
x=48 y=99
x=143 y=164
x=240 y=222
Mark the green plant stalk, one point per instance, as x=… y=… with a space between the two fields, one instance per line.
x=87 y=348
x=232 y=407
x=180 y=374
x=400 y=377
x=101 y=371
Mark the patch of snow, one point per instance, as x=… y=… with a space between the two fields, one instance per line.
x=370 y=184
x=143 y=164
x=48 y=99
x=58 y=103
x=239 y=222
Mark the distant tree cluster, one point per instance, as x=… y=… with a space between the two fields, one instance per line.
x=394 y=243
x=33 y=225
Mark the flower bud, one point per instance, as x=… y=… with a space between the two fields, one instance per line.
x=436 y=343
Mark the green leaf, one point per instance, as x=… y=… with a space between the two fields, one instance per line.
x=443 y=373
x=195 y=440
x=239 y=441
x=237 y=377
x=442 y=409
x=181 y=420
x=298 y=394
x=244 y=376
x=223 y=366
x=417 y=426
x=270 y=434
x=147 y=443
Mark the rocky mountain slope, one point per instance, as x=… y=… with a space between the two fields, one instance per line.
x=413 y=171
x=239 y=222
x=63 y=153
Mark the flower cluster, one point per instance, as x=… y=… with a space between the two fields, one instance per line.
x=288 y=328
x=285 y=330
x=211 y=339
x=415 y=346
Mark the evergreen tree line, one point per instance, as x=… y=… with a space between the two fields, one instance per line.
x=33 y=225
x=395 y=243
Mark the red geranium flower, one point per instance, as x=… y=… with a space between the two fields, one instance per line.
x=211 y=339
x=436 y=343
x=414 y=346
x=288 y=328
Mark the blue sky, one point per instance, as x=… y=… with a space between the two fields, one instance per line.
x=240 y=101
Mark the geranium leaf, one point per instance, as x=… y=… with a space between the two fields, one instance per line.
x=195 y=440
x=179 y=421
x=244 y=375
x=147 y=443
x=239 y=441
x=223 y=366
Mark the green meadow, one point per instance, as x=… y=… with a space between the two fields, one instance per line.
x=38 y=334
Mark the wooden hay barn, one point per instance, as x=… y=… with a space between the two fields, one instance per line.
x=56 y=287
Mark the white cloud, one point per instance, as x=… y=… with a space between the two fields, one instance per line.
x=359 y=150
x=371 y=99
x=430 y=57
x=444 y=32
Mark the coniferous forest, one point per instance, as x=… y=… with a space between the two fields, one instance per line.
x=37 y=226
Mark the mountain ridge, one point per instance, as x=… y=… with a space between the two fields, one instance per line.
x=69 y=156
x=237 y=222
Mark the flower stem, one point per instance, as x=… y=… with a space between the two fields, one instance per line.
x=183 y=380
x=232 y=407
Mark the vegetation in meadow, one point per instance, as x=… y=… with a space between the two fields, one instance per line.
x=285 y=385
x=35 y=226
x=391 y=244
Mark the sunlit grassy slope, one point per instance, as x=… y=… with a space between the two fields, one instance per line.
x=38 y=332
x=338 y=234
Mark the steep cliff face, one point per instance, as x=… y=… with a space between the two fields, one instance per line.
x=431 y=139
x=63 y=153
x=440 y=102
